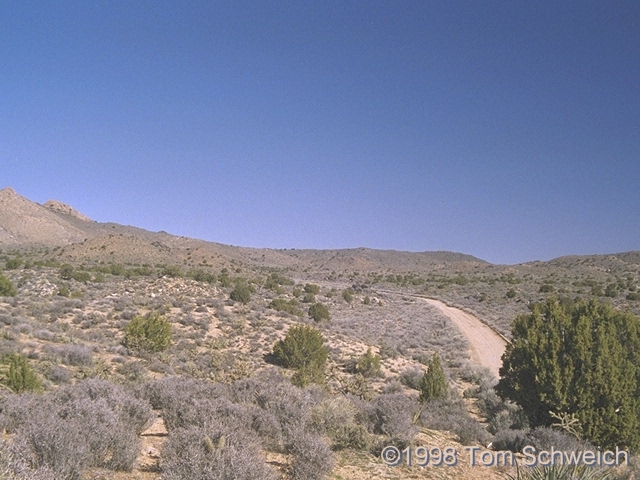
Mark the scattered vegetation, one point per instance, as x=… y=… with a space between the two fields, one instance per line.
x=221 y=398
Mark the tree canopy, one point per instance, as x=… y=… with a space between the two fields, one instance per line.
x=579 y=358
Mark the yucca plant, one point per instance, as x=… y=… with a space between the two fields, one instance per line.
x=561 y=472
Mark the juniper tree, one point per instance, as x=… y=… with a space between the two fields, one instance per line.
x=303 y=348
x=20 y=375
x=434 y=383
x=577 y=358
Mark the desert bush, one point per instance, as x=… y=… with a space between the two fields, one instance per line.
x=241 y=293
x=335 y=417
x=368 y=364
x=185 y=401
x=133 y=412
x=20 y=377
x=392 y=416
x=347 y=295
x=92 y=423
x=282 y=305
x=543 y=438
x=319 y=312
x=58 y=374
x=577 y=358
x=309 y=298
x=450 y=413
x=359 y=386
x=312 y=458
x=172 y=271
x=12 y=467
x=6 y=287
x=311 y=288
x=512 y=440
x=151 y=333
x=213 y=452
x=13 y=263
x=66 y=271
x=70 y=354
x=303 y=348
x=202 y=276
x=290 y=405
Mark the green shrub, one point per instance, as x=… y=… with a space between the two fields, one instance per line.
x=309 y=298
x=369 y=364
x=303 y=348
x=347 y=295
x=311 y=288
x=319 y=312
x=434 y=383
x=242 y=293
x=81 y=276
x=13 y=263
x=282 y=305
x=65 y=271
x=6 y=287
x=172 y=271
x=151 y=333
x=20 y=376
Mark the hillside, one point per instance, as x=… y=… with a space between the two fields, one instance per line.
x=79 y=285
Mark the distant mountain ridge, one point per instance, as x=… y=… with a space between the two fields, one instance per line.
x=25 y=224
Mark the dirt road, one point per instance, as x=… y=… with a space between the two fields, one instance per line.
x=486 y=346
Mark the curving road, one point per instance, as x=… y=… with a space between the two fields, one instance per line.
x=486 y=346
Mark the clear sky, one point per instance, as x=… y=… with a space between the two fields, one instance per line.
x=507 y=130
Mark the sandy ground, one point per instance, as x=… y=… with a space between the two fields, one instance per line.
x=486 y=346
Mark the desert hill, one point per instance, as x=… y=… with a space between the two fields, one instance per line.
x=24 y=223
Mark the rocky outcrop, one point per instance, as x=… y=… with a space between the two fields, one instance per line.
x=23 y=222
x=65 y=209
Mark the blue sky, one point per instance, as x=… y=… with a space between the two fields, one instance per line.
x=507 y=130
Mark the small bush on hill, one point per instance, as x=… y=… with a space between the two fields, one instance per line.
x=347 y=295
x=241 y=293
x=303 y=349
x=311 y=288
x=282 y=305
x=369 y=364
x=151 y=333
x=319 y=312
x=434 y=383
x=20 y=377
x=6 y=287
x=392 y=416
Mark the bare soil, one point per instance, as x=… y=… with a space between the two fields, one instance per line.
x=486 y=346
